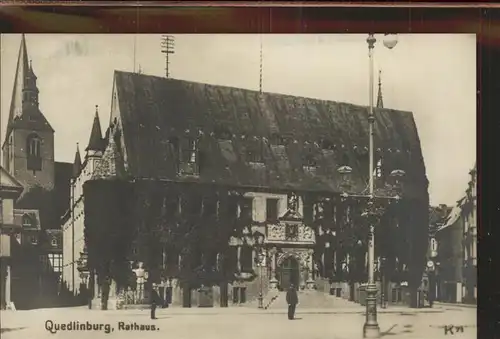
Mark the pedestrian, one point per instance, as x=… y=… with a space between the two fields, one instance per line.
x=292 y=300
x=155 y=300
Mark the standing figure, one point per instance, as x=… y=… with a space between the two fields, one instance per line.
x=141 y=277
x=155 y=300
x=292 y=300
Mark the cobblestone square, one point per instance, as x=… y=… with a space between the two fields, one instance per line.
x=242 y=322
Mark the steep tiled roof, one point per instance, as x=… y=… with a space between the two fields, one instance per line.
x=77 y=163
x=95 y=140
x=154 y=110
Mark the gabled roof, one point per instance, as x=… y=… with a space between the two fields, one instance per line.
x=155 y=110
x=9 y=184
x=452 y=217
x=32 y=215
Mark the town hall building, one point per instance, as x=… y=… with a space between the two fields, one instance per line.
x=225 y=195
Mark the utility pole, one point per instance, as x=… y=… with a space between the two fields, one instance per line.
x=167 y=47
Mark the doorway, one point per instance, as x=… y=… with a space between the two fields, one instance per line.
x=289 y=273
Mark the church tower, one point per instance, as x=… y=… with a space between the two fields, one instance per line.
x=28 y=149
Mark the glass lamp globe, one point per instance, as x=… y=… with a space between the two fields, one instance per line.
x=390 y=40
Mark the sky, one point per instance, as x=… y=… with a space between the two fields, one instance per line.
x=431 y=75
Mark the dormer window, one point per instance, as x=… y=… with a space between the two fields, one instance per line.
x=277 y=140
x=27 y=221
x=222 y=133
x=188 y=162
x=327 y=145
x=253 y=152
x=310 y=161
x=189 y=151
x=53 y=243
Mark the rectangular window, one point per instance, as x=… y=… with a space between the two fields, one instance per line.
x=243 y=295
x=246 y=259
x=272 y=209
x=236 y=295
x=246 y=208
x=231 y=262
x=232 y=209
x=171 y=206
x=209 y=207
x=195 y=205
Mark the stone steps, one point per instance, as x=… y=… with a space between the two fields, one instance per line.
x=307 y=299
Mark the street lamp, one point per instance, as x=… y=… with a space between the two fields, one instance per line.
x=373 y=212
x=260 y=258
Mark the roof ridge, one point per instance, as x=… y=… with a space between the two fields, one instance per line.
x=257 y=92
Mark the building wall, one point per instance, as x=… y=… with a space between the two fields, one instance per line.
x=73 y=227
x=451 y=261
x=457 y=254
x=259 y=206
x=7 y=218
x=470 y=241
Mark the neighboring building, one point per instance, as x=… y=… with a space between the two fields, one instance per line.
x=438 y=215
x=28 y=155
x=73 y=220
x=238 y=191
x=457 y=254
x=469 y=213
x=10 y=190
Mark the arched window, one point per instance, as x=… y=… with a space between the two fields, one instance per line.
x=34 y=145
x=33 y=152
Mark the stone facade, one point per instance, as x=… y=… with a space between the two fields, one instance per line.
x=457 y=253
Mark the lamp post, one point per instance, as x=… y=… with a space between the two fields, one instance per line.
x=260 y=258
x=373 y=212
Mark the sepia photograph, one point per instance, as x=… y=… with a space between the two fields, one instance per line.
x=253 y=185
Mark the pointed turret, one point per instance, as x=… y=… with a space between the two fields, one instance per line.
x=77 y=164
x=24 y=102
x=380 y=101
x=95 y=141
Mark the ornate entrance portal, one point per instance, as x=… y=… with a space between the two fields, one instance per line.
x=289 y=273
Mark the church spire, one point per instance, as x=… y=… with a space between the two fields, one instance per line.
x=24 y=102
x=380 y=101
x=95 y=141
x=77 y=164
